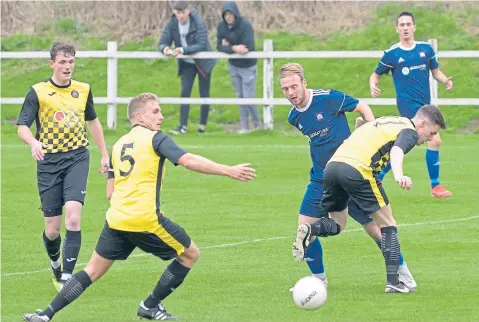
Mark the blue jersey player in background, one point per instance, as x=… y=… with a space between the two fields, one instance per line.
x=319 y=115
x=409 y=62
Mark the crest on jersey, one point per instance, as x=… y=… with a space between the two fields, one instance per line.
x=405 y=71
x=319 y=117
x=422 y=54
x=75 y=94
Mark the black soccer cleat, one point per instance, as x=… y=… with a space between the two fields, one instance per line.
x=57 y=273
x=157 y=313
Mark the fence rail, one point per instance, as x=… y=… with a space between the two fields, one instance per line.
x=268 y=54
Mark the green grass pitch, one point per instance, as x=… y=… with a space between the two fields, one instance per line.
x=245 y=230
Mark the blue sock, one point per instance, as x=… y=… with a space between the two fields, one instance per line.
x=432 y=161
x=314 y=257
x=384 y=171
x=401 y=258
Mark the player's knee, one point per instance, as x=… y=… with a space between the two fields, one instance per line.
x=72 y=222
x=72 y=215
x=190 y=255
x=194 y=253
x=52 y=227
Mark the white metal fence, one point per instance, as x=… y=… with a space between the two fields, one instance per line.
x=268 y=101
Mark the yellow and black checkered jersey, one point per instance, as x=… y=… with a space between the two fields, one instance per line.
x=60 y=113
x=137 y=165
x=368 y=147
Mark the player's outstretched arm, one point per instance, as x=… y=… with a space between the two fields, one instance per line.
x=241 y=172
x=397 y=157
x=374 y=84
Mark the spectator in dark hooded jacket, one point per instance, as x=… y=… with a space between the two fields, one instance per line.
x=236 y=35
x=188 y=31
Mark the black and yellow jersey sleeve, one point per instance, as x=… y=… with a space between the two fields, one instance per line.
x=30 y=107
x=165 y=147
x=407 y=139
x=90 y=113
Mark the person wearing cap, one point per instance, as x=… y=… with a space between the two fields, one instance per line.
x=235 y=35
x=189 y=34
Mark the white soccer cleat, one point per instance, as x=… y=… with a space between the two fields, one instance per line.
x=406 y=278
x=301 y=242
x=399 y=288
x=35 y=317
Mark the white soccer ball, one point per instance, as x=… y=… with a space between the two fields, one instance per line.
x=310 y=293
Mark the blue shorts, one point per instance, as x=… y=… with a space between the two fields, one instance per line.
x=311 y=205
x=407 y=108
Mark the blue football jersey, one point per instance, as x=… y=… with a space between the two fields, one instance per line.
x=410 y=70
x=323 y=122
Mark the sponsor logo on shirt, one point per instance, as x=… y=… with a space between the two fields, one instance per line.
x=421 y=67
x=69 y=118
x=406 y=70
x=321 y=132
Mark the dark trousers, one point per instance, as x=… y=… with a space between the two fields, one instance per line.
x=188 y=74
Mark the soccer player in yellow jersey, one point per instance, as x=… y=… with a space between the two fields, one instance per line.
x=352 y=173
x=60 y=107
x=134 y=218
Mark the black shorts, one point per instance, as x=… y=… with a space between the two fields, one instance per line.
x=167 y=241
x=342 y=181
x=62 y=177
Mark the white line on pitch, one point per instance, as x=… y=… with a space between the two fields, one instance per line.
x=258 y=240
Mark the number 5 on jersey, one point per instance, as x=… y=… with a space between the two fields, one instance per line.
x=126 y=157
